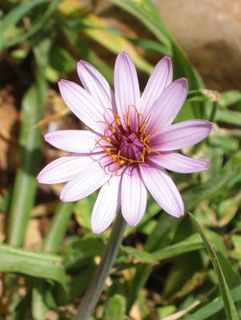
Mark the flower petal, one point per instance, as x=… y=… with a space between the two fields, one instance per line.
x=133 y=196
x=79 y=141
x=163 y=189
x=82 y=104
x=127 y=91
x=106 y=205
x=160 y=78
x=96 y=84
x=85 y=183
x=177 y=162
x=169 y=104
x=64 y=169
x=181 y=135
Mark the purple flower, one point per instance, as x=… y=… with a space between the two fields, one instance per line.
x=131 y=142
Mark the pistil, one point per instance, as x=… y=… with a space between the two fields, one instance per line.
x=127 y=141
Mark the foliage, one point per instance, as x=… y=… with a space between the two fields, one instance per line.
x=185 y=280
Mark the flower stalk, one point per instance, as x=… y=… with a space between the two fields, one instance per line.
x=94 y=290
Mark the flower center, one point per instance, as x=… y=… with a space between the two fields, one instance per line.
x=126 y=140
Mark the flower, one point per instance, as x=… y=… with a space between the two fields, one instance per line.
x=130 y=143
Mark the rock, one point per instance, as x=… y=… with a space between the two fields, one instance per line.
x=210 y=33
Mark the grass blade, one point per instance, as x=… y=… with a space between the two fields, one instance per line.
x=12 y=18
x=147 y=13
x=229 y=306
x=190 y=244
x=30 y=158
x=30 y=263
x=57 y=228
x=36 y=27
x=214 y=306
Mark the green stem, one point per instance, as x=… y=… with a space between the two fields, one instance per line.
x=108 y=258
x=213 y=112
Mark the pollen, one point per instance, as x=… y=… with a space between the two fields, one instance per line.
x=127 y=139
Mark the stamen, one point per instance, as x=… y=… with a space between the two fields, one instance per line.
x=117 y=135
x=116 y=117
x=109 y=125
x=147 y=138
x=143 y=128
x=138 y=115
x=127 y=116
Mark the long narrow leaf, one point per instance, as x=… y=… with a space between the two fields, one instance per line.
x=30 y=157
x=229 y=306
x=214 y=306
x=147 y=13
x=36 y=27
x=190 y=244
x=12 y=18
x=30 y=263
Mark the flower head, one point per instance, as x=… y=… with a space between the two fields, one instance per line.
x=130 y=143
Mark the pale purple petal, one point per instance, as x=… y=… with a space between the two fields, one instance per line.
x=127 y=91
x=168 y=104
x=64 y=169
x=96 y=84
x=106 y=205
x=82 y=104
x=133 y=196
x=181 y=135
x=177 y=162
x=85 y=183
x=79 y=141
x=163 y=189
x=160 y=78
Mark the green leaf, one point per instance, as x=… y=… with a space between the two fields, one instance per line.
x=162 y=234
x=38 y=304
x=84 y=50
x=147 y=223
x=25 y=185
x=236 y=241
x=78 y=285
x=57 y=227
x=30 y=263
x=214 y=306
x=159 y=238
x=228 y=116
x=36 y=27
x=229 y=306
x=83 y=209
x=79 y=253
x=227 y=143
x=232 y=276
x=5 y=201
x=165 y=310
x=139 y=255
x=115 y=308
x=192 y=243
x=113 y=42
x=209 y=189
x=203 y=95
x=13 y=17
x=229 y=98
x=61 y=60
x=146 y=12
x=149 y=45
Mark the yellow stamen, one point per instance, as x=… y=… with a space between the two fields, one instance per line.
x=118 y=131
